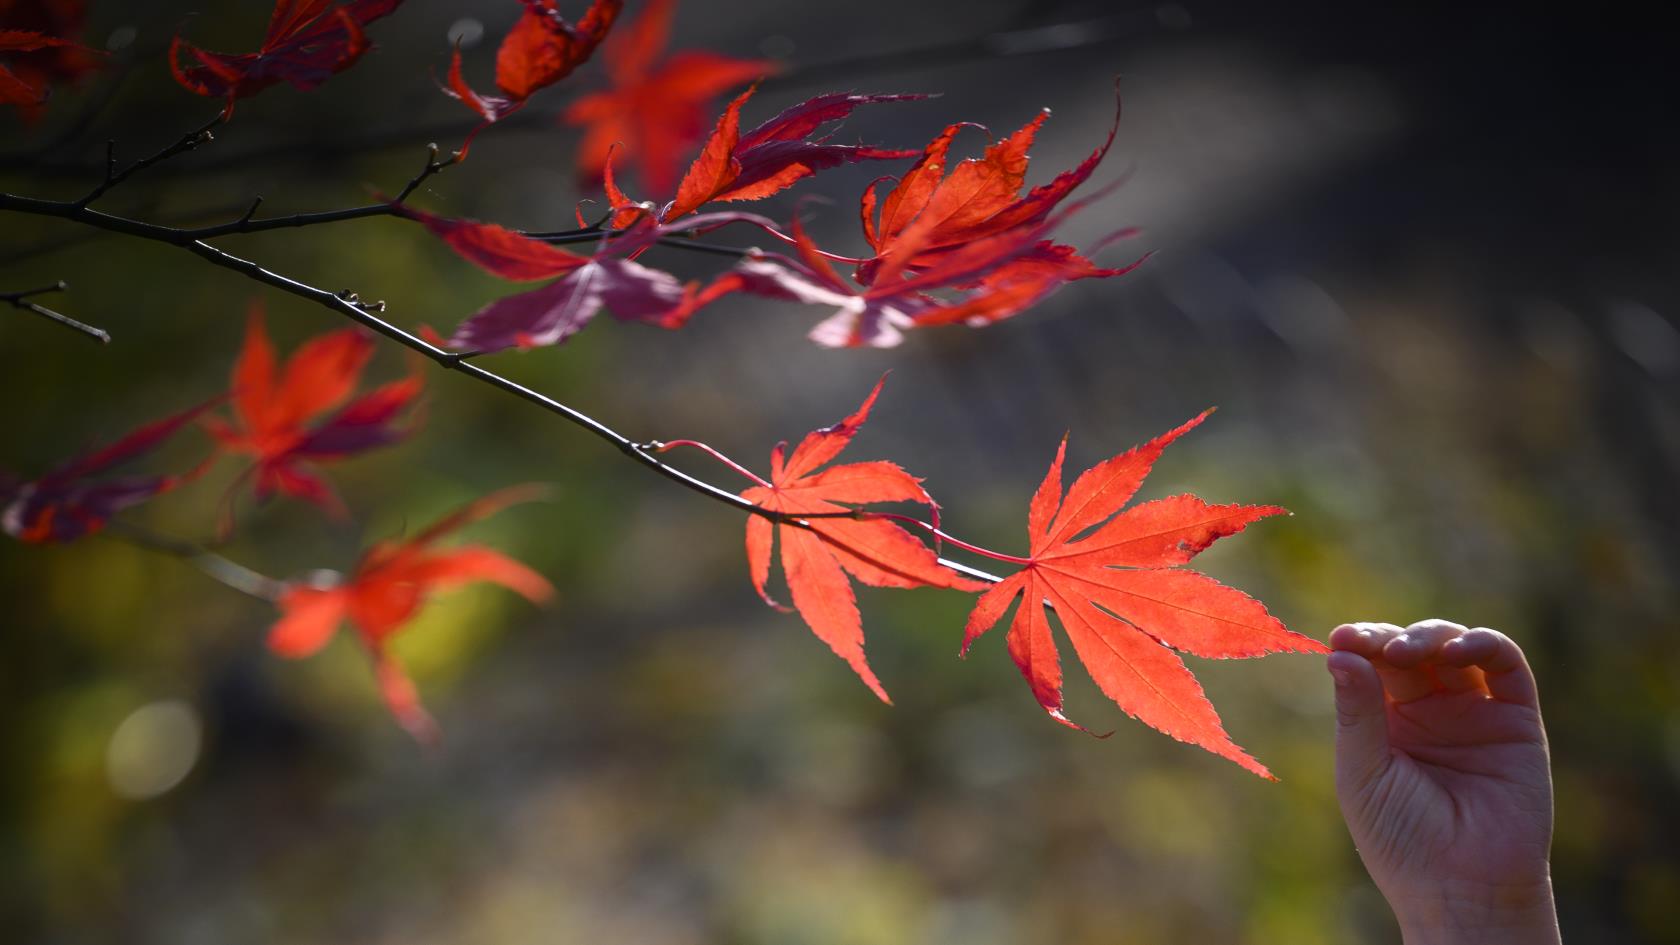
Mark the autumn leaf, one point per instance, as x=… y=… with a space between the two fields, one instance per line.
x=68 y=502
x=817 y=559
x=18 y=90
x=497 y=250
x=275 y=411
x=608 y=279
x=766 y=160
x=1124 y=601
x=993 y=277
x=37 y=51
x=387 y=588
x=657 y=109
x=540 y=50
x=928 y=212
x=308 y=42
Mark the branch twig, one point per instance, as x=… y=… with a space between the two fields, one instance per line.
x=21 y=300
x=113 y=177
x=228 y=572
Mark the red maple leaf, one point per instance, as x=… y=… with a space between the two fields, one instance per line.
x=657 y=109
x=308 y=42
x=66 y=503
x=928 y=212
x=997 y=276
x=1123 y=600
x=816 y=559
x=37 y=51
x=765 y=160
x=496 y=249
x=275 y=406
x=387 y=588
x=608 y=279
x=540 y=50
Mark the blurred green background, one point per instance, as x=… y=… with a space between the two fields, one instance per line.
x=1423 y=261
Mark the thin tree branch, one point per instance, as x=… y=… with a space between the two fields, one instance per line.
x=21 y=300
x=223 y=570
x=113 y=177
x=79 y=212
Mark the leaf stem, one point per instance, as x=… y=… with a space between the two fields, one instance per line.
x=660 y=446
x=936 y=532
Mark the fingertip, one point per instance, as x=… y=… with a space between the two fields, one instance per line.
x=1419 y=642
x=1509 y=678
x=1353 y=674
x=1470 y=648
x=1437 y=625
x=1366 y=639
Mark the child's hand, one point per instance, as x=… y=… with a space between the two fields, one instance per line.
x=1443 y=777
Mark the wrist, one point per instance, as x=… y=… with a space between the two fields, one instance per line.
x=1484 y=914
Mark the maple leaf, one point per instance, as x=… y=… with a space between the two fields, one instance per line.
x=609 y=278
x=274 y=406
x=38 y=52
x=67 y=503
x=770 y=158
x=308 y=42
x=816 y=560
x=496 y=249
x=1123 y=600
x=1001 y=274
x=928 y=212
x=540 y=50
x=656 y=110
x=387 y=588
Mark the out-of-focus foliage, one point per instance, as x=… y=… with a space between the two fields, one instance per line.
x=1422 y=261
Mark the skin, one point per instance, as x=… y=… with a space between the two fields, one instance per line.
x=1443 y=776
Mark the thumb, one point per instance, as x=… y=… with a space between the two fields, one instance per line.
x=1361 y=720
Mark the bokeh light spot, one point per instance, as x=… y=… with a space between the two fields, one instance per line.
x=153 y=749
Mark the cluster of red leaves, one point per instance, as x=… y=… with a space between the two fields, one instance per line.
x=387 y=588
x=67 y=502
x=1119 y=591
x=275 y=411
x=277 y=421
x=971 y=231
x=38 y=49
x=308 y=42
x=731 y=167
x=1113 y=576
x=540 y=50
x=657 y=108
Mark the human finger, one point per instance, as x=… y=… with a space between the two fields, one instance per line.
x=1404 y=666
x=1364 y=638
x=1361 y=721
x=1501 y=661
x=1420 y=642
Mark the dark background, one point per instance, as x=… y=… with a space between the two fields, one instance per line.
x=1421 y=258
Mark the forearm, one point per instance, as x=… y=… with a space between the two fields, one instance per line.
x=1515 y=915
